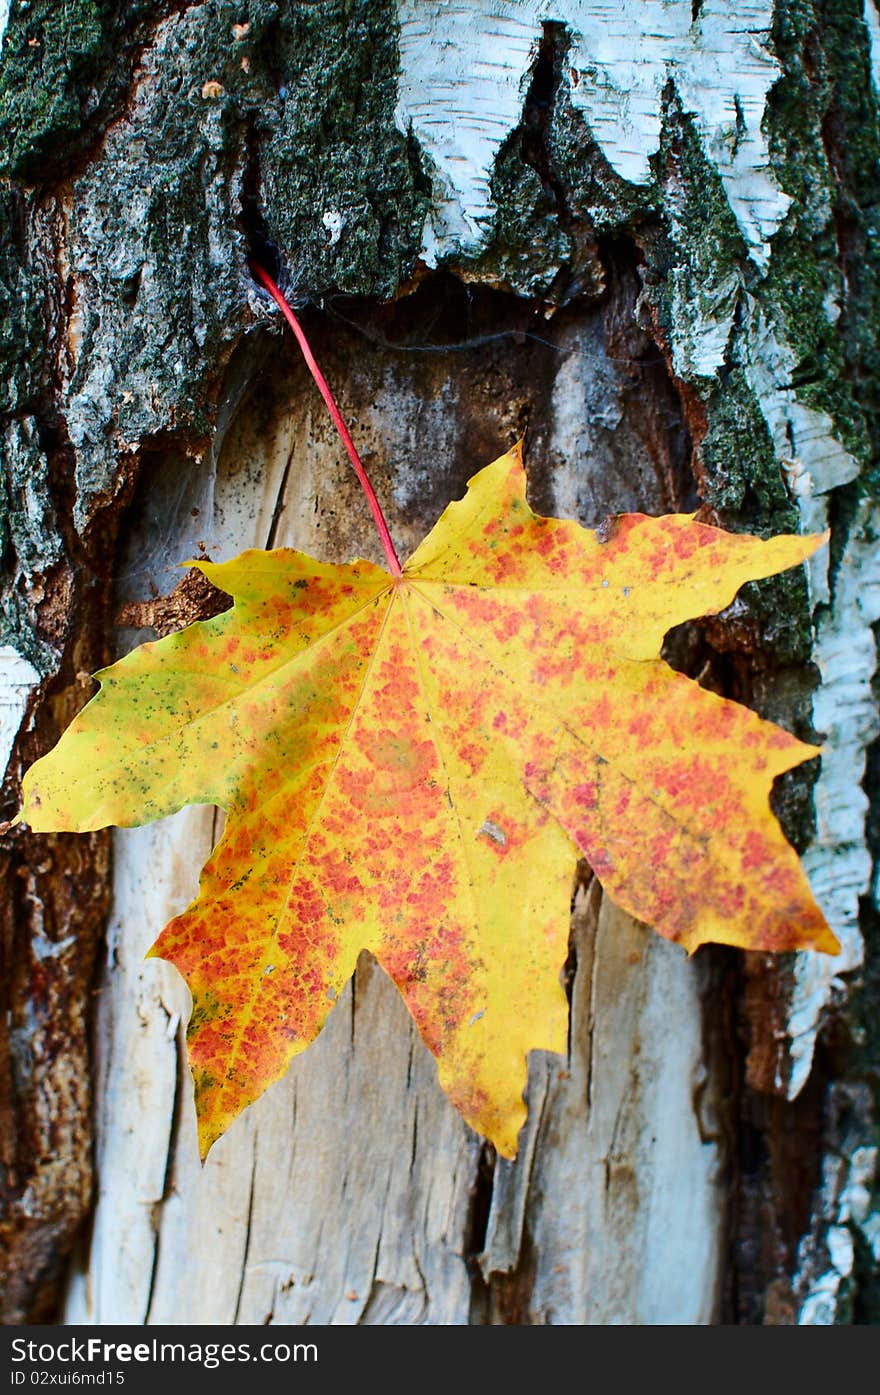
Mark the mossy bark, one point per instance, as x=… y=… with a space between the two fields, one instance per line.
x=151 y=149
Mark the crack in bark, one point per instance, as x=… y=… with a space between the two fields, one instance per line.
x=248 y=1229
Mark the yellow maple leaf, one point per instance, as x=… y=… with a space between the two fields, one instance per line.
x=410 y=763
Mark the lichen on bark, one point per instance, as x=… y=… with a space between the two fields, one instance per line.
x=65 y=70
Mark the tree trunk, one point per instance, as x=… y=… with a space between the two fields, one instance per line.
x=639 y=235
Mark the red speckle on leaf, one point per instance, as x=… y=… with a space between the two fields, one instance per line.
x=754 y=852
x=585 y=795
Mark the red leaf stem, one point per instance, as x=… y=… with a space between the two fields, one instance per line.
x=324 y=389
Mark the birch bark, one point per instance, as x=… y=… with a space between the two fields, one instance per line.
x=643 y=234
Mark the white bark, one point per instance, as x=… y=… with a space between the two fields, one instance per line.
x=18 y=678
x=465 y=67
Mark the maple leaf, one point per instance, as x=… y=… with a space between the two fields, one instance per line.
x=409 y=764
